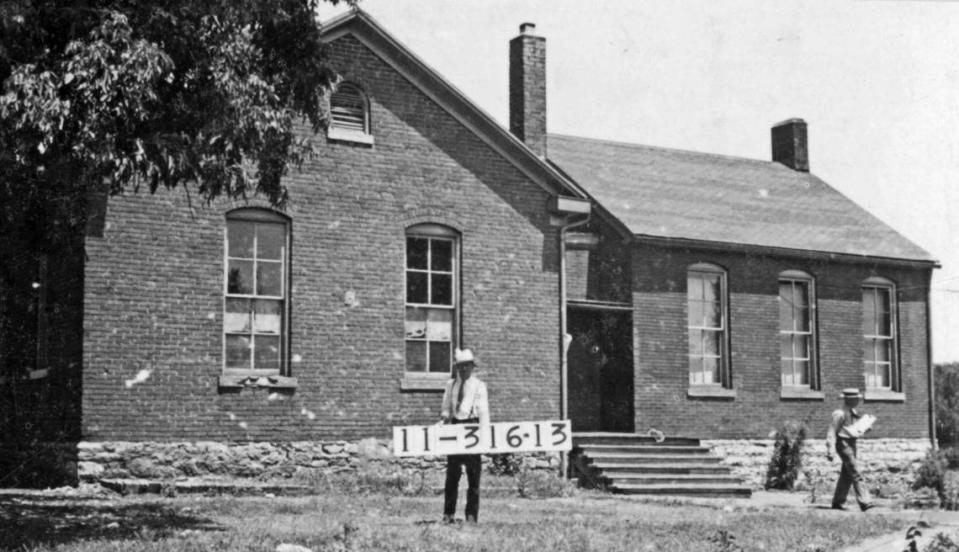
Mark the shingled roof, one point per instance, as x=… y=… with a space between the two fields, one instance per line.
x=667 y=193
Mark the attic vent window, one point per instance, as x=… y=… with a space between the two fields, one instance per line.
x=349 y=115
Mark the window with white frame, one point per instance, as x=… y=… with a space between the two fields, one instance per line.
x=706 y=302
x=431 y=298
x=879 y=334
x=255 y=296
x=797 y=330
x=349 y=113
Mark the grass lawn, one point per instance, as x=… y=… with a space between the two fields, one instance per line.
x=378 y=521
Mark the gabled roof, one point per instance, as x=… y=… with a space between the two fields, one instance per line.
x=361 y=25
x=673 y=194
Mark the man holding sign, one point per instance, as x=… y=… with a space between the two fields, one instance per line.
x=464 y=402
x=847 y=425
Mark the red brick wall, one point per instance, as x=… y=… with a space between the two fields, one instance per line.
x=660 y=339
x=154 y=287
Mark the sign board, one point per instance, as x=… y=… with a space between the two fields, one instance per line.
x=497 y=438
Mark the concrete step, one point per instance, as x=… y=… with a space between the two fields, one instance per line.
x=671 y=478
x=592 y=449
x=605 y=438
x=713 y=490
x=634 y=459
x=674 y=468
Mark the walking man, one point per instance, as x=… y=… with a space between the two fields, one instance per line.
x=846 y=426
x=464 y=402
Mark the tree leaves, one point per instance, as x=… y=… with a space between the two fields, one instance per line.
x=120 y=95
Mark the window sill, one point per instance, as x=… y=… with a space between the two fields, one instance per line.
x=886 y=395
x=710 y=392
x=241 y=381
x=344 y=135
x=801 y=393
x=423 y=382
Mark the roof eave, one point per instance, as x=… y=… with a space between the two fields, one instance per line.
x=786 y=251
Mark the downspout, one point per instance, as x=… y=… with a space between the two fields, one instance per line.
x=930 y=367
x=563 y=336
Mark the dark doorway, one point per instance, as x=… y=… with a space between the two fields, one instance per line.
x=600 y=365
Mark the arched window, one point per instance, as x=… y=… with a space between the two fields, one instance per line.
x=349 y=114
x=797 y=330
x=256 y=294
x=432 y=297
x=880 y=347
x=707 y=325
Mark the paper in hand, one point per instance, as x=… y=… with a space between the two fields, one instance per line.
x=861 y=425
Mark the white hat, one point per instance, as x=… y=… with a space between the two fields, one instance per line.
x=462 y=356
x=850 y=393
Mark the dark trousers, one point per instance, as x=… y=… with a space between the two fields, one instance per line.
x=849 y=475
x=454 y=469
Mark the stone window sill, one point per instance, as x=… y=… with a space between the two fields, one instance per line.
x=710 y=392
x=801 y=393
x=241 y=381
x=344 y=135
x=885 y=395
x=423 y=382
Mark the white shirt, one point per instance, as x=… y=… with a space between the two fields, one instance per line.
x=839 y=429
x=475 y=401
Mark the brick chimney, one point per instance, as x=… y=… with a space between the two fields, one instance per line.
x=790 y=145
x=527 y=88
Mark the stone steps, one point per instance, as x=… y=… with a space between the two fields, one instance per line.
x=636 y=464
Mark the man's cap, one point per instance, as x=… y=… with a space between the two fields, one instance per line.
x=463 y=356
x=850 y=393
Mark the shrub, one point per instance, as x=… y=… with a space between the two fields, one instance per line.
x=931 y=472
x=370 y=478
x=950 y=491
x=921 y=499
x=947 y=404
x=505 y=464
x=786 y=461
x=542 y=484
x=942 y=543
x=951 y=456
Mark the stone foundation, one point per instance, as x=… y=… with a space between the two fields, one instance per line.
x=151 y=460
x=886 y=463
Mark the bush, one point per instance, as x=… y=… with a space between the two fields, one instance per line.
x=542 y=484
x=942 y=543
x=931 y=472
x=950 y=491
x=786 y=461
x=951 y=456
x=369 y=478
x=921 y=499
x=505 y=464
x=947 y=404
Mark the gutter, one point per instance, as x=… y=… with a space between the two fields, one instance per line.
x=563 y=335
x=568 y=208
x=930 y=367
x=812 y=254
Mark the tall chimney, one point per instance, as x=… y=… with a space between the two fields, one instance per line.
x=790 y=145
x=527 y=88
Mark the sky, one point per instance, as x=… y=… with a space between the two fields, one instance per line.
x=877 y=81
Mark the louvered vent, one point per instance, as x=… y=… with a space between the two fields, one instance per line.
x=348 y=108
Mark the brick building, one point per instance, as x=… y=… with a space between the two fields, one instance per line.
x=704 y=295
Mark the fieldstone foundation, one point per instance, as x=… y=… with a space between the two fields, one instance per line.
x=885 y=463
x=152 y=460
